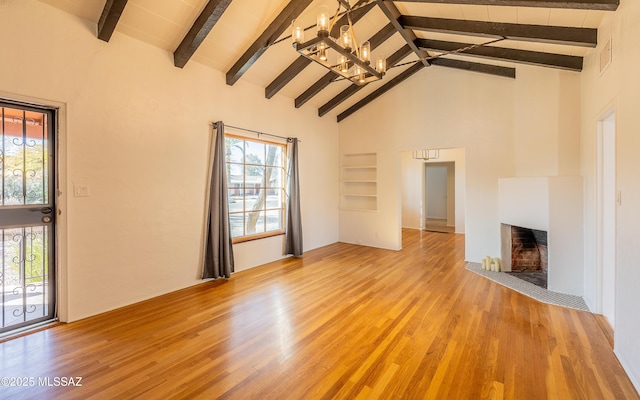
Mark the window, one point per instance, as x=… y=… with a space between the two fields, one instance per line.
x=255 y=182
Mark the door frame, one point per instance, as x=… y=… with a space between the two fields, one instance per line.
x=451 y=168
x=60 y=191
x=602 y=130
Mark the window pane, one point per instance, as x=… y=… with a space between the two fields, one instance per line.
x=276 y=178
x=253 y=200
x=237 y=225
x=234 y=150
x=13 y=157
x=236 y=200
x=255 y=222
x=35 y=154
x=274 y=198
x=274 y=220
x=254 y=153
x=274 y=155
x=254 y=176
x=235 y=175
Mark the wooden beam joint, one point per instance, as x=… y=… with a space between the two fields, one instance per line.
x=279 y=25
x=109 y=19
x=199 y=31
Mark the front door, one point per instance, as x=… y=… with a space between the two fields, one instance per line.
x=27 y=215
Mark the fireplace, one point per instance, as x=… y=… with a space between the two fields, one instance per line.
x=528 y=250
x=525 y=254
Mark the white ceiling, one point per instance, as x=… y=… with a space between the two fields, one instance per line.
x=164 y=23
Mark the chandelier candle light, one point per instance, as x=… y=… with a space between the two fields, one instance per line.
x=353 y=62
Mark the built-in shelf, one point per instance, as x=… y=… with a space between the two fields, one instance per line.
x=359 y=182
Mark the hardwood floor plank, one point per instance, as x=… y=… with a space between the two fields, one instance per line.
x=342 y=322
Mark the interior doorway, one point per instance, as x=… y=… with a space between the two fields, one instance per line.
x=439 y=197
x=606 y=192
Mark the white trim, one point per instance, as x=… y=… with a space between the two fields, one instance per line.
x=610 y=111
x=61 y=201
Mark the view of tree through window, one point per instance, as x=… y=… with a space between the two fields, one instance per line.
x=255 y=181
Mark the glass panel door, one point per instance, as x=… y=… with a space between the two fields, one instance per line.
x=27 y=216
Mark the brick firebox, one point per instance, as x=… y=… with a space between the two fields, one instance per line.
x=528 y=249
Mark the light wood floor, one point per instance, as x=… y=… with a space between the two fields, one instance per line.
x=344 y=322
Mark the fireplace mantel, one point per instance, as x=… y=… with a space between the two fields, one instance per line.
x=552 y=204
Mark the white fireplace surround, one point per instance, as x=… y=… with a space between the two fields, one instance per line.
x=552 y=204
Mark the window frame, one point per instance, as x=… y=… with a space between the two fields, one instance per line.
x=261 y=235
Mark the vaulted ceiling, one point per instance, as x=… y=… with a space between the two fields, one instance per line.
x=247 y=39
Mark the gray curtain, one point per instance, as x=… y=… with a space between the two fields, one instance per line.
x=218 y=255
x=293 y=236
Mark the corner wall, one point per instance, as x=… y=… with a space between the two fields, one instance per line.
x=507 y=128
x=137 y=135
x=617 y=88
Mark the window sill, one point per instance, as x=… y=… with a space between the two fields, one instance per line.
x=257 y=237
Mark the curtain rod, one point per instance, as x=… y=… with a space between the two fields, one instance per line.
x=288 y=139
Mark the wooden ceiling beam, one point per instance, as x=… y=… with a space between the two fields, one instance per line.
x=339 y=98
x=315 y=88
x=561 y=61
x=375 y=41
x=381 y=90
x=391 y=11
x=279 y=25
x=585 y=37
x=603 y=5
x=302 y=62
x=353 y=89
x=286 y=76
x=506 y=72
x=109 y=19
x=199 y=31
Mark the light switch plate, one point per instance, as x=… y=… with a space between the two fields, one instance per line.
x=80 y=191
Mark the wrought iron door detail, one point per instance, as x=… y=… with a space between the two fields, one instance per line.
x=26 y=215
x=24 y=278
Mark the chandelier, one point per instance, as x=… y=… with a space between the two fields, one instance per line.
x=426 y=155
x=352 y=62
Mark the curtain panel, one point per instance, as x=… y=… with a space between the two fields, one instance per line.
x=218 y=254
x=293 y=235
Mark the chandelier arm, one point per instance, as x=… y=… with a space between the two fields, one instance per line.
x=353 y=35
x=335 y=18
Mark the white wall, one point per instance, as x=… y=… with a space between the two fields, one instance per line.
x=412 y=178
x=136 y=132
x=619 y=88
x=492 y=118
